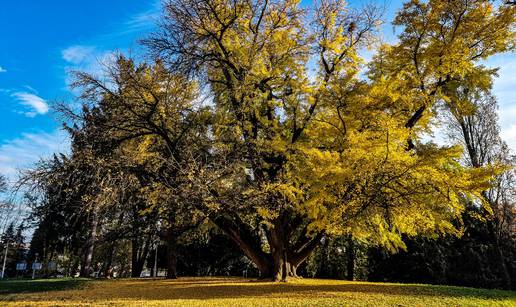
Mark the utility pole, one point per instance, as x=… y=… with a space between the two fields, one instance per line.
x=5 y=258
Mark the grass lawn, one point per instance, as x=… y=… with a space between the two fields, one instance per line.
x=241 y=292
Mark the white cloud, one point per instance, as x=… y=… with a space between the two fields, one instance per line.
x=94 y=61
x=143 y=20
x=78 y=54
x=90 y=57
x=2 y=69
x=86 y=58
x=30 y=88
x=27 y=149
x=36 y=104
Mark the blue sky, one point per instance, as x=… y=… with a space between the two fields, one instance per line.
x=41 y=41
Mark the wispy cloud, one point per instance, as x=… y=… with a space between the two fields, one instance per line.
x=87 y=59
x=97 y=52
x=78 y=54
x=135 y=26
x=2 y=69
x=143 y=20
x=27 y=149
x=36 y=104
x=30 y=88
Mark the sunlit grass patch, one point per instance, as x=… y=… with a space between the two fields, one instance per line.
x=243 y=292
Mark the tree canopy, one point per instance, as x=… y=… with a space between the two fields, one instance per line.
x=262 y=118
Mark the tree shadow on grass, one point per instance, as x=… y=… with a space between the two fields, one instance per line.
x=231 y=288
x=39 y=285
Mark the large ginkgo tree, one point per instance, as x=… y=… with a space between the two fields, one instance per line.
x=307 y=139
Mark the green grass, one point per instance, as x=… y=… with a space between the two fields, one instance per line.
x=242 y=292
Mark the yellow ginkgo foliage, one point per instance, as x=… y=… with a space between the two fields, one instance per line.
x=302 y=137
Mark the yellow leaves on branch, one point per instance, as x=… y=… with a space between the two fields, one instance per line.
x=326 y=141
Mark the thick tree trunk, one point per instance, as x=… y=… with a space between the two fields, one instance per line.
x=283 y=270
x=154 y=257
x=351 y=258
x=278 y=246
x=247 y=241
x=139 y=254
x=74 y=266
x=284 y=259
x=171 y=254
x=86 y=268
x=108 y=269
x=136 y=263
x=108 y=265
